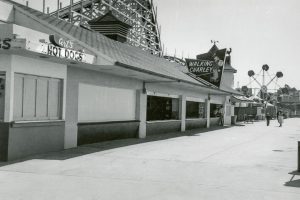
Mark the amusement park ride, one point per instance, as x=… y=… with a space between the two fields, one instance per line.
x=263 y=92
x=140 y=14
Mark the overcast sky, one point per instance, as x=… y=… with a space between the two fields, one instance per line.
x=258 y=31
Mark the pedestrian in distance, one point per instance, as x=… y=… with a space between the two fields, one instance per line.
x=280 y=118
x=268 y=118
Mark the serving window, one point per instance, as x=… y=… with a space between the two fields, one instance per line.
x=195 y=109
x=37 y=98
x=215 y=110
x=162 y=108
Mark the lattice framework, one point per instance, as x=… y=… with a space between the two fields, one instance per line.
x=140 y=14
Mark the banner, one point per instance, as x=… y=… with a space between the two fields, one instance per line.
x=210 y=69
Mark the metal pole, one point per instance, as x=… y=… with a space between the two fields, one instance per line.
x=70 y=11
x=100 y=3
x=57 y=9
x=44 y=6
x=92 y=8
x=298 y=156
x=81 y=11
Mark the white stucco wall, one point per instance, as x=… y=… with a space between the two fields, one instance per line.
x=101 y=104
x=227 y=79
x=5 y=66
x=6 y=12
x=93 y=82
x=217 y=99
x=29 y=34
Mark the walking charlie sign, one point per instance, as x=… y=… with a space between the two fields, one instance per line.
x=210 y=69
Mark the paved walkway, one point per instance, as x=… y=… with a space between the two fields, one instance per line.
x=237 y=163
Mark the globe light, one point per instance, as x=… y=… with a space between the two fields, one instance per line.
x=265 y=67
x=251 y=73
x=279 y=74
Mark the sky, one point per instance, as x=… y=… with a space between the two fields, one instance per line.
x=258 y=31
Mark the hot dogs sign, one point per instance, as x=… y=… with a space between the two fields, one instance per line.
x=210 y=69
x=58 y=47
x=64 y=48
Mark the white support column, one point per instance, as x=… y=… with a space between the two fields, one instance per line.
x=207 y=114
x=182 y=111
x=141 y=111
x=71 y=130
x=227 y=111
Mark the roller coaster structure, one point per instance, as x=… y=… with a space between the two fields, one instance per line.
x=140 y=14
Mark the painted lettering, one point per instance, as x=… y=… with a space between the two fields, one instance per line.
x=65 y=53
x=5 y=43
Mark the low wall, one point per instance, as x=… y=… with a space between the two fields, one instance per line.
x=214 y=121
x=195 y=123
x=94 y=132
x=28 y=138
x=160 y=127
x=4 y=131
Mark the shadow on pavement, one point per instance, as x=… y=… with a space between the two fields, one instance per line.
x=293 y=183
x=238 y=124
x=107 y=145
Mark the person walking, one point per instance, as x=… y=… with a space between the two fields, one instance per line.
x=280 y=118
x=268 y=118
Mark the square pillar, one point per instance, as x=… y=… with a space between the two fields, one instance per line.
x=227 y=111
x=207 y=112
x=141 y=112
x=182 y=111
x=71 y=118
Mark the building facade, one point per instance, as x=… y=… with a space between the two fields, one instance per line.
x=64 y=86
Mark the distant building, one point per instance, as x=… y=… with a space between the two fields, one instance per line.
x=290 y=100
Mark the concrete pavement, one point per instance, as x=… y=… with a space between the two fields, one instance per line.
x=240 y=162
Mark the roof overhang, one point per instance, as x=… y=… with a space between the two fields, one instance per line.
x=242 y=99
x=161 y=77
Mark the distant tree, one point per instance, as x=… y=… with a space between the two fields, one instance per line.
x=279 y=91
x=246 y=91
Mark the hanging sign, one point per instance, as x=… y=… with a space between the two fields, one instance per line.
x=48 y=49
x=211 y=69
x=65 y=53
x=60 y=52
x=64 y=48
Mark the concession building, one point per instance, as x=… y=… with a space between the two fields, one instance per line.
x=63 y=85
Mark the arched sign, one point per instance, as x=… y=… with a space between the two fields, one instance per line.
x=64 y=48
x=61 y=42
